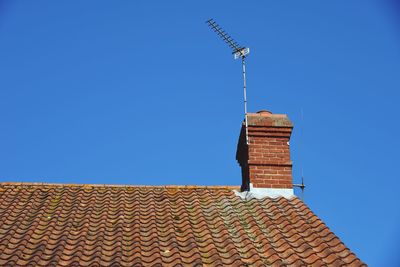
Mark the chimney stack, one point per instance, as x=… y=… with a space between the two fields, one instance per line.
x=265 y=161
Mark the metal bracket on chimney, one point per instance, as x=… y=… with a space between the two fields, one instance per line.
x=302 y=187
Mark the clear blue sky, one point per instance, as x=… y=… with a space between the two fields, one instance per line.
x=142 y=92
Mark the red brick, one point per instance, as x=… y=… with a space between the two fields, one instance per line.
x=268 y=162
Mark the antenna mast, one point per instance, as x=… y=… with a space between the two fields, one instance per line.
x=238 y=52
x=302 y=185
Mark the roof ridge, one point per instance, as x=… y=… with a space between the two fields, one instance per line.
x=220 y=187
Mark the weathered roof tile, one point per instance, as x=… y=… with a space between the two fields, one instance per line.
x=101 y=225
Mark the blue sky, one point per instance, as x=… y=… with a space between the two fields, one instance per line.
x=142 y=92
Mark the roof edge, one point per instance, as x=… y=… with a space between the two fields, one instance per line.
x=220 y=187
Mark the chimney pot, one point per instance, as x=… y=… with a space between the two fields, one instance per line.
x=264 y=112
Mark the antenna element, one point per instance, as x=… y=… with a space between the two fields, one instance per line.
x=238 y=52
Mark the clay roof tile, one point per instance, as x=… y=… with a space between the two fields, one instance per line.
x=105 y=225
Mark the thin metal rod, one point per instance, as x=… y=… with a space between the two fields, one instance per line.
x=301 y=153
x=245 y=98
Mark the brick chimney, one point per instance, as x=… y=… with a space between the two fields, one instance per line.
x=265 y=161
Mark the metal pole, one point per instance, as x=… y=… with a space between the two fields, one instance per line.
x=245 y=98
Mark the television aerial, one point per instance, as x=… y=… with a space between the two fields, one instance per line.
x=238 y=52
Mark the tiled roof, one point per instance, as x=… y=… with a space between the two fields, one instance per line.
x=86 y=225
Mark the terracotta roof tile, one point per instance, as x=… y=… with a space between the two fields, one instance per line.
x=103 y=225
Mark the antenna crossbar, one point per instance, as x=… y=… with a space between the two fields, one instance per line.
x=224 y=36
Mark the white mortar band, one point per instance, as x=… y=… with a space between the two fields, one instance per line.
x=260 y=193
